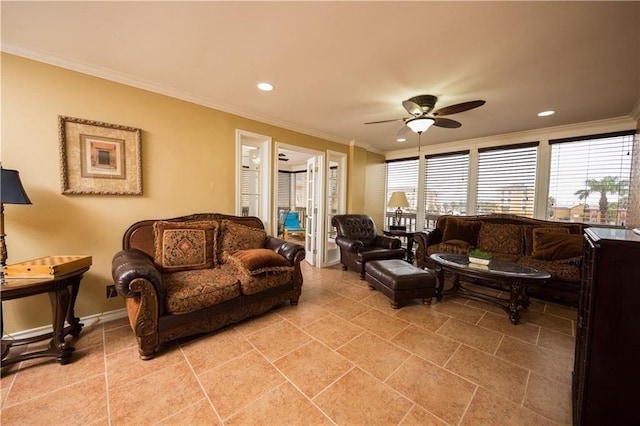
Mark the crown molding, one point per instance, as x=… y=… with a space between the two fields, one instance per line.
x=635 y=111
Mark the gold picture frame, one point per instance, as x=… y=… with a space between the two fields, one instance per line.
x=99 y=158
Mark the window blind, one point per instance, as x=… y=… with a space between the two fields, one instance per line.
x=446 y=183
x=284 y=190
x=589 y=178
x=506 y=179
x=402 y=175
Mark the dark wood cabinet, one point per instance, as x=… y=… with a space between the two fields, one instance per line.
x=606 y=374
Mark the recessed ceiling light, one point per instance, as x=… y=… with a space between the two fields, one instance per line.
x=265 y=87
x=401 y=139
x=546 y=113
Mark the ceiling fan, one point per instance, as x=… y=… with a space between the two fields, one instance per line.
x=423 y=116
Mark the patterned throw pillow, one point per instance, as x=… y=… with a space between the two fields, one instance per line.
x=530 y=229
x=181 y=246
x=460 y=229
x=500 y=238
x=236 y=237
x=258 y=261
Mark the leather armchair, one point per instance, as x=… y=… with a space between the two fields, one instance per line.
x=359 y=242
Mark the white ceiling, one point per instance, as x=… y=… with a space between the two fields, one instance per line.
x=336 y=65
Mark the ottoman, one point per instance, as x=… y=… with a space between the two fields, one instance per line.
x=400 y=281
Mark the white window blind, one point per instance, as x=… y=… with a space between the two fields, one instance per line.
x=284 y=190
x=402 y=175
x=506 y=179
x=446 y=183
x=589 y=179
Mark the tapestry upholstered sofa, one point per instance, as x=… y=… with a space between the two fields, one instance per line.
x=554 y=247
x=194 y=274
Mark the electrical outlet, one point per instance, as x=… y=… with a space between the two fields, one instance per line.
x=111 y=291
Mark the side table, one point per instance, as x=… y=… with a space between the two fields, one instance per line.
x=403 y=233
x=62 y=291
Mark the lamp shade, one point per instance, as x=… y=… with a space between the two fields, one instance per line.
x=398 y=199
x=11 y=189
x=420 y=124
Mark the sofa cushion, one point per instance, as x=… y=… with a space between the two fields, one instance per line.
x=559 y=270
x=257 y=261
x=235 y=236
x=189 y=291
x=253 y=284
x=181 y=246
x=451 y=246
x=500 y=238
x=555 y=246
x=459 y=229
x=528 y=231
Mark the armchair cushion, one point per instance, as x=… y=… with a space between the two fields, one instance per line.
x=258 y=261
x=240 y=237
x=254 y=284
x=181 y=246
x=189 y=291
x=462 y=230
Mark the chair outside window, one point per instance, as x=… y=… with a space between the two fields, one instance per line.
x=292 y=225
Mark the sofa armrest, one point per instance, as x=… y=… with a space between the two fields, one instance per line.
x=423 y=240
x=294 y=253
x=132 y=264
x=387 y=242
x=349 y=244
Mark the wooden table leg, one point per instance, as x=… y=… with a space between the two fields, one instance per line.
x=60 y=299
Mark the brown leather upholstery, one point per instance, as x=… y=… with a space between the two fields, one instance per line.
x=401 y=281
x=359 y=242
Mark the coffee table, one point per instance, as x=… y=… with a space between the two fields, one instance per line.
x=516 y=277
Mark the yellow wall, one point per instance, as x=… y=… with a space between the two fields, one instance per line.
x=188 y=163
x=374 y=202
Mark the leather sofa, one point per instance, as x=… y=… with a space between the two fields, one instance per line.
x=194 y=274
x=359 y=242
x=554 y=247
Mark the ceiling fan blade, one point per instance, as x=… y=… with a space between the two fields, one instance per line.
x=454 y=109
x=386 y=121
x=404 y=129
x=447 y=122
x=412 y=108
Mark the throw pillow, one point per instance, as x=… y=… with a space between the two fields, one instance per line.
x=554 y=246
x=460 y=229
x=500 y=238
x=258 y=261
x=180 y=246
x=530 y=229
x=236 y=237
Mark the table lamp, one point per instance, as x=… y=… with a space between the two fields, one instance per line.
x=11 y=192
x=398 y=199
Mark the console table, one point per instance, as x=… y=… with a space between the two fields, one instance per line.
x=62 y=291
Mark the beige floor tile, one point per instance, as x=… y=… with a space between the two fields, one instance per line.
x=51 y=376
x=500 y=322
x=77 y=404
x=333 y=330
x=358 y=398
x=549 y=398
x=278 y=339
x=561 y=325
x=423 y=316
x=253 y=324
x=562 y=311
x=200 y=413
x=313 y=367
x=471 y=335
x=374 y=355
x=442 y=393
x=420 y=417
x=126 y=366
x=117 y=339
x=283 y=406
x=154 y=396
x=381 y=302
x=214 y=349
x=346 y=308
x=458 y=310
x=426 y=344
x=92 y=334
x=239 y=382
x=303 y=315
x=380 y=323
x=486 y=408
x=540 y=360
x=489 y=307
x=495 y=374
x=317 y=295
x=116 y=323
x=354 y=291
x=557 y=342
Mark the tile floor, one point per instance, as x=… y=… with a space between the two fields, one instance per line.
x=342 y=356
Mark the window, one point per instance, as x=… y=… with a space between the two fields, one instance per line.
x=506 y=179
x=402 y=175
x=253 y=170
x=445 y=187
x=589 y=178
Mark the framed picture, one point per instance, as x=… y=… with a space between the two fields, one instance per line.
x=99 y=158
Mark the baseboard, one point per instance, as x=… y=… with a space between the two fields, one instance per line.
x=88 y=321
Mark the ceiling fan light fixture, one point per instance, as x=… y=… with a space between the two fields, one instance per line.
x=265 y=87
x=546 y=113
x=401 y=140
x=420 y=124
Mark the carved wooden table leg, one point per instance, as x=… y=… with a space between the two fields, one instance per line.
x=60 y=299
